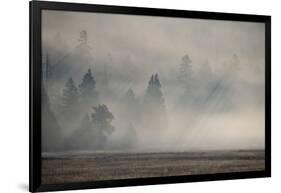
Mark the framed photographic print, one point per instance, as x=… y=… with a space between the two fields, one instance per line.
x=125 y=96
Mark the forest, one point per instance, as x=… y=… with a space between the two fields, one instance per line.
x=103 y=102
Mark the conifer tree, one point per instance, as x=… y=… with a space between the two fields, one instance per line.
x=87 y=88
x=154 y=112
x=185 y=71
x=70 y=96
x=153 y=96
x=88 y=85
x=129 y=99
x=130 y=106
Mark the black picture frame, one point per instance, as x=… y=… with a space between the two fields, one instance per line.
x=35 y=94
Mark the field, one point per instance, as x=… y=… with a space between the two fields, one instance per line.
x=108 y=166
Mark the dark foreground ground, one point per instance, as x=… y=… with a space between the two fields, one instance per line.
x=108 y=166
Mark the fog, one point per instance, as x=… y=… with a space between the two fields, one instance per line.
x=138 y=83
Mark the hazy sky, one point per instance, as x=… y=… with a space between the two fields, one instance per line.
x=161 y=41
x=156 y=44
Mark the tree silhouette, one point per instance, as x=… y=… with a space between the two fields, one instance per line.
x=129 y=100
x=102 y=118
x=94 y=130
x=154 y=115
x=88 y=85
x=87 y=89
x=185 y=71
x=130 y=107
x=153 y=96
x=70 y=96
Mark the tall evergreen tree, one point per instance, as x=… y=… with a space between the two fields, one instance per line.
x=88 y=85
x=154 y=116
x=154 y=96
x=130 y=107
x=185 y=71
x=157 y=81
x=88 y=91
x=70 y=96
x=129 y=99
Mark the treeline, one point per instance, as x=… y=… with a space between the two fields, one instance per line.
x=82 y=121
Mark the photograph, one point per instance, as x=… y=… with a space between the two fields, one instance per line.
x=128 y=96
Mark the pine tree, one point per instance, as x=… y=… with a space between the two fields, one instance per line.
x=69 y=96
x=87 y=89
x=185 y=72
x=88 y=85
x=154 y=96
x=129 y=99
x=154 y=115
x=130 y=107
